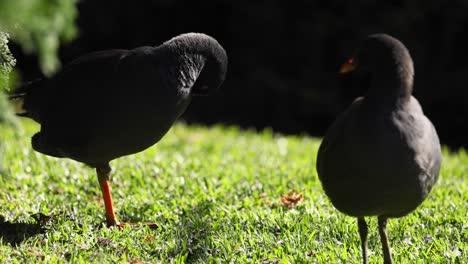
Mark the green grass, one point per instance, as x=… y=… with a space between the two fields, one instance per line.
x=215 y=194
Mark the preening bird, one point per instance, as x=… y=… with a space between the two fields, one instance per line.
x=108 y=104
x=382 y=156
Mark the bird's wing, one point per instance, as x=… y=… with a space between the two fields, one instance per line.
x=70 y=84
x=431 y=163
x=425 y=141
x=334 y=136
x=421 y=138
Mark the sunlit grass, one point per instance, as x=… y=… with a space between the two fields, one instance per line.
x=215 y=194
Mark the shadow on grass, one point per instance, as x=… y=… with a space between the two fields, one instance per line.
x=15 y=233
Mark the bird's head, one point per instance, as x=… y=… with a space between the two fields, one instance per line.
x=214 y=70
x=204 y=55
x=387 y=61
x=381 y=53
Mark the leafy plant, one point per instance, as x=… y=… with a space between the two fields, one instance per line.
x=7 y=62
x=39 y=26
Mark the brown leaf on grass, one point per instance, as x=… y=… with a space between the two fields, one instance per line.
x=291 y=199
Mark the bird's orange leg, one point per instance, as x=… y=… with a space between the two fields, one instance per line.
x=103 y=172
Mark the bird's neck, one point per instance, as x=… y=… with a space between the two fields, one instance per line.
x=390 y=88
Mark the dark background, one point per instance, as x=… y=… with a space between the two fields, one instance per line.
x=285 y=55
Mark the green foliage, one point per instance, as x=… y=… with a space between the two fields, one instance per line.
x=39 y=26
x=7 y=62
x=215 y=195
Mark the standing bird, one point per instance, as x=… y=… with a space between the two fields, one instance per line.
x=382 y=156
x=113 y=103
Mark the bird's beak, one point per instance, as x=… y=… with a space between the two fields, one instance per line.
x=348 y=66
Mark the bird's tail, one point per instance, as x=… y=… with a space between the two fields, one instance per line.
x=17 y=99
x=18 y=103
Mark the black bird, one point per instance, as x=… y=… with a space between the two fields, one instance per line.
x=382 y=156
x=113 y=103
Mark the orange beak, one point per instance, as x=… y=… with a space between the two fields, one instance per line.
x=348 y=66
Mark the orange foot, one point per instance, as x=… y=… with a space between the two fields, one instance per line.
x=130 y=224
x=103 y=172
